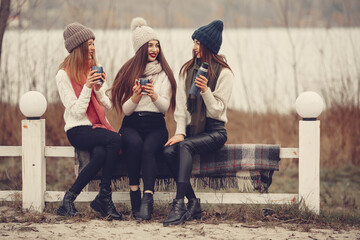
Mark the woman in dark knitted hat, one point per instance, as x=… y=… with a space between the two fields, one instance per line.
x=86 y=126
x=143 y=128
x=200 y=121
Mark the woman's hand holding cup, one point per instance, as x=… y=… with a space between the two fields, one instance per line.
x=92 y=78
x=136 y=92
x=149 y=88
x=100 y=83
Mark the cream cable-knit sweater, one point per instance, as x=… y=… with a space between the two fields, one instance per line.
x=162 y=87
x=75 y=108
x=216 y=102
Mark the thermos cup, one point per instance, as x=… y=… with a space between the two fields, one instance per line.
x=194 y=90
x=99 y=70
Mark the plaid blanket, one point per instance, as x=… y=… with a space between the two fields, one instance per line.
x=246 y=166
x=232 y=158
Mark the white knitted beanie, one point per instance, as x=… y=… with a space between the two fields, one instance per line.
x=141 y=33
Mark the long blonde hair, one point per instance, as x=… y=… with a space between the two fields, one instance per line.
x=76 y=64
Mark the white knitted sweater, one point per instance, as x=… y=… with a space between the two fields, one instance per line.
x=75 y=108
x=162 y=87
x=216 y=102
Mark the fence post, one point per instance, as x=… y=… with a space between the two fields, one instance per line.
x=309 y=165
x=33 y=105
x=33 y=164
x=309 y=106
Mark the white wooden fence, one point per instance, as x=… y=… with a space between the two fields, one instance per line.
x=34 y=153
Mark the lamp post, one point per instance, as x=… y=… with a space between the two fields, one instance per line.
x=309 y=106
x=33 y=105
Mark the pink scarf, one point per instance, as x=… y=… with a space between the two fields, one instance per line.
x=95 y=111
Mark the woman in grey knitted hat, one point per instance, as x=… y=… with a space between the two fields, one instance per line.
x=200 y=120
x=143 y=127
x=82 y=92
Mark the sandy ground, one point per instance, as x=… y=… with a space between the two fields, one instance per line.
x=99 y=229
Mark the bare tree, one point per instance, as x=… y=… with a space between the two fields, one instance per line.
x=4 y=15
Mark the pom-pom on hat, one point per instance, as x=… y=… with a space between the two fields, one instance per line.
x=141 y=33
x=210 y=35
x=75 y=34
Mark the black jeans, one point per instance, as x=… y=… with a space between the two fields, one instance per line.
x=104 y=146
x=144 y=135
x=179 y=156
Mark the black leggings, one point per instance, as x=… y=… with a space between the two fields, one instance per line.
x=179 y=156
x=144 y=135
x=104 y=146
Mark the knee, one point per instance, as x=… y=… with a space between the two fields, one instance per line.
x=116 y=142
x=169 y=152
x=185 y=145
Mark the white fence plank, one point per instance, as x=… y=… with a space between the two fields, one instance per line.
x=53 y=151
x=206 y=197
x=10 y=196
x=68 y=151
x=10 y=151
x=289 y=153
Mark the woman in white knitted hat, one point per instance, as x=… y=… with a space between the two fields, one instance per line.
x=82 y=92
x=200 y=120
x=143 y=128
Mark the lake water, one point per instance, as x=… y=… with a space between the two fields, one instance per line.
x=266 y=63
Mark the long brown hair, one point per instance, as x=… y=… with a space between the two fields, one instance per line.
x=76 y=64
x=206 y=56
x=134 y=68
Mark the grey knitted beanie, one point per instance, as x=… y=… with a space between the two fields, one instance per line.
x=141 y=33
x=75 y=34
x=210 y=35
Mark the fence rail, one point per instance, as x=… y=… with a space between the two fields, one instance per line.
x=68 y=151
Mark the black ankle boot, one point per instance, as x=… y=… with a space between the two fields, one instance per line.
x=194 y=209
x=178 y=213
x=104 y=205
x=135 y=199
x=67 y=207
x=146 y=207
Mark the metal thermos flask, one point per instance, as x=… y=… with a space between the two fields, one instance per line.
x=194 y=90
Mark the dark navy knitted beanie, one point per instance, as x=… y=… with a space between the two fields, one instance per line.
x=210 y=35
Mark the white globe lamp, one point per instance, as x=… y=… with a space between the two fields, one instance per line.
x=33 y=105
x=309 y=105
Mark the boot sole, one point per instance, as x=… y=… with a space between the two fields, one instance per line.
x=178 y=222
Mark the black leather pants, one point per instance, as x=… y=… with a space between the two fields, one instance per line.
x=179 y=156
